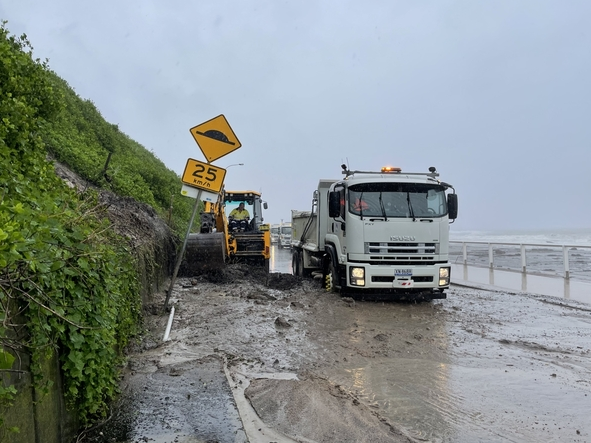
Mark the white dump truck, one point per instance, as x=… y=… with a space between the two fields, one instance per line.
x=378 y=234
x=275 y=234
x=285 y=235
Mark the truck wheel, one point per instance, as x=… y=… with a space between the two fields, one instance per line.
x=332 y=278
x=295 y=263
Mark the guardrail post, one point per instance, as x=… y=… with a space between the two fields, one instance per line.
x=566 y=266
x=490 y=255
x=523 y=260
x=465 y=252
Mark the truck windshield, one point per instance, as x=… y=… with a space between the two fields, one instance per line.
x=397 y=200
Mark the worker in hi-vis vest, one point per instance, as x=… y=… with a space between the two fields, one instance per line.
x=239 y=218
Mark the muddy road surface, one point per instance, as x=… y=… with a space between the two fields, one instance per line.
x=277 y=359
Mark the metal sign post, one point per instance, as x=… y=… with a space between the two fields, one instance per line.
x=215 y=138
x=179 y=259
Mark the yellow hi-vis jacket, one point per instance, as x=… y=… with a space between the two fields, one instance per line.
x=237 y=214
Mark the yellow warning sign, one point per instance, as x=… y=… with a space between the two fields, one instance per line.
x=203 y=175
x=215 y=138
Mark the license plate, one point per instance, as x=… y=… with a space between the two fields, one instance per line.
x=402 y=272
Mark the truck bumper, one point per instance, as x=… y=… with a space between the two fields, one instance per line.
x=398 y=278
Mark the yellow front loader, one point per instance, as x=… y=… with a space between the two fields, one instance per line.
x=217 y=243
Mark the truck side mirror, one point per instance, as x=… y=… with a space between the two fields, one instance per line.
x=334 y=204
x=265 y=206
x=452 y=206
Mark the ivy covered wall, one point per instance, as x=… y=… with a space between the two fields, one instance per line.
x=70 y=285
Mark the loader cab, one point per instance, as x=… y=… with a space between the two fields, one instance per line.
x=253 y=203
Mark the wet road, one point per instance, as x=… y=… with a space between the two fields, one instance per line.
x=280 y=260
x=480 y=366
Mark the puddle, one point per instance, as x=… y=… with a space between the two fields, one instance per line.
x=280 y=260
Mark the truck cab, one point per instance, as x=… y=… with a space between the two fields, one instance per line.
x=285 y=235
x=274 y=234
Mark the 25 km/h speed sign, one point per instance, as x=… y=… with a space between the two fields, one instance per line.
x=203 y=175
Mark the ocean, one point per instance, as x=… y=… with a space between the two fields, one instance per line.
x=544 y=256
x=548 y=236
x=543 y=250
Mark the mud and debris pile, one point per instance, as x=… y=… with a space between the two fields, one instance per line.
x=235 y=330
x=149 y=238
x=244 y=273
x=307 y=365
x=263 y=327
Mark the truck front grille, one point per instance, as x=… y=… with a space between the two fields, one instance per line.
x=401 y=261
x=398 y=249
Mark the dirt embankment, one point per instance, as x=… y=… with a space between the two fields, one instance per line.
x=149 y=238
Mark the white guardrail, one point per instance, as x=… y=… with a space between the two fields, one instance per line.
x=524 y=257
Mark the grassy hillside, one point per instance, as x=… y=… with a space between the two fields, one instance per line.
x=97 y=150
x=68 y=283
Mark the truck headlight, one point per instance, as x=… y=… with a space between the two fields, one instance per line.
x=357 y=276
x=444 y=274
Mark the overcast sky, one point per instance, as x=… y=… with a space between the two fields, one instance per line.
x=495 y=94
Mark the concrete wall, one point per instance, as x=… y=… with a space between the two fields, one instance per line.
x=38 y=413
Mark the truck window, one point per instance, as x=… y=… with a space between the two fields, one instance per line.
x=342 y=206
x=286 y=230
x=397 y=200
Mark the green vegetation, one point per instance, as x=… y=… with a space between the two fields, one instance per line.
x=103 y=155
x=67 y=283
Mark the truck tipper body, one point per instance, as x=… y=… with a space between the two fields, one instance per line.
x=382 y=234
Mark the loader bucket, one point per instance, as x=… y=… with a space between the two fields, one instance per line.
x=205 y=252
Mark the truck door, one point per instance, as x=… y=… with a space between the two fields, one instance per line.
x=338 y=226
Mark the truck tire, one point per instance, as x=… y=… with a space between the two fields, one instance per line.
x=305 y=272
x=302 y=271
x=332 y=278
x=295 y=263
